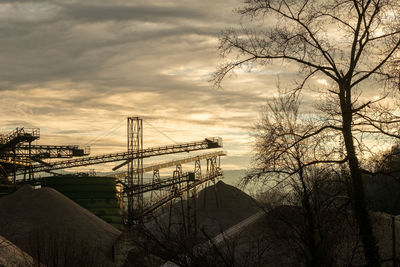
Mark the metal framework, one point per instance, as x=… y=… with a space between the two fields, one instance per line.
x=17 y=136
x=175 y=162
x=135 y=168
x=9 y=142
x=14 y=161
x=176 y=186
x=49 y=151
x=17 y=155
x=180 y=190
x=208 y=143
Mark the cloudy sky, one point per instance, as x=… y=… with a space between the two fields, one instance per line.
x=77 y=69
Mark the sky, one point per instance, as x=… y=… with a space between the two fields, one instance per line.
x=77 y=69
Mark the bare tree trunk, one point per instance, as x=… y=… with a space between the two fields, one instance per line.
x=371 y=250
x=315 y=251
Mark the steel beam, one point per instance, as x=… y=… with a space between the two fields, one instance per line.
x=49 y=151
x=171 y=163
x=135 y=166
x=207 y=143
x=179 y=183
x=179 y=192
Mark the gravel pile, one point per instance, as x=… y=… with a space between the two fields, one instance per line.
x=222 y=206
x=12 y=256
x=46 y=224
x=218 y=207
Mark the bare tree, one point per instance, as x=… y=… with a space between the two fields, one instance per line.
x=302 y=168
x=161 y=244
x=353 y=44
x=158 y=242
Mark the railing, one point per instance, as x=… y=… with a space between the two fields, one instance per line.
x=28 y=133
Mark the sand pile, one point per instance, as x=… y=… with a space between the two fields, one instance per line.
x=46 y=224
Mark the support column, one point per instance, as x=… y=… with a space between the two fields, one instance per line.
x=135 y=169
x=156 y=179
x=14 y=167
x=30 y=177
x=192 y=199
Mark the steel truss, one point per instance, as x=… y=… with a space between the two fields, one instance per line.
x=160 y=165
x=17 y=152
x=18 y=136
x=8 y=144
x=135 y=169
x=208 y=143
x=176 y=186
x=49 y=151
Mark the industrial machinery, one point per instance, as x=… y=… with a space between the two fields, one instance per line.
x=17 y=153
x=19 y=158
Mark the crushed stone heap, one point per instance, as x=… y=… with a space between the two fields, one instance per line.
x=222 y=206
x=46 y=224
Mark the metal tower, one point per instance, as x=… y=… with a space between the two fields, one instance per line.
x=134 y=178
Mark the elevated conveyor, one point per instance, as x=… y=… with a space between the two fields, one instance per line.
x=208 y=143
x=50 y=151
x=187 y=185
x=161 y=165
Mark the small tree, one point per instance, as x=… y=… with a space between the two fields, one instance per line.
x=352 y=44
